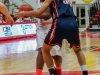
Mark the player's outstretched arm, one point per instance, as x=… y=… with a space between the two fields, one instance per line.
x=45 y=15
x=4 y=10
x=35 y=13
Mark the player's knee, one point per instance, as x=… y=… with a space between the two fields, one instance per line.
x=76 y=49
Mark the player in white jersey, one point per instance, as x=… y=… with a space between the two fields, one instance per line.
x=42 y=30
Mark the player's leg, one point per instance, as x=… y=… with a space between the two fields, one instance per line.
x=57 y=60
x=39 y=62
x=75 y=44
x=79 y=53
x=48 y=59
x=74 y=40
x=56 y=55
x=39 y=59
x=81 y=59
x=58 y=63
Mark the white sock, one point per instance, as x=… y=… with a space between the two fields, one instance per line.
x=84 y=67
x=52 y=67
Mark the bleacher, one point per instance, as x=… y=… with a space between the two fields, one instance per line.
x=94 y=14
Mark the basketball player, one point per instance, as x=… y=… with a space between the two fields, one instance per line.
x=42 y=30
x=64 y=26
x=4 y=10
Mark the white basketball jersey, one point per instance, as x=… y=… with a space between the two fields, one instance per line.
x=39 y=27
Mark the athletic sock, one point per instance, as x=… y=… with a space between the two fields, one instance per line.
x=38 y=71
x=84 y=69
x=58 y=70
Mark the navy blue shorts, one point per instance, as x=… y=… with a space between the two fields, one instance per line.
x=63 y=28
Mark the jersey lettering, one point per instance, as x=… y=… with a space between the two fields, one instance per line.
x=67 y=2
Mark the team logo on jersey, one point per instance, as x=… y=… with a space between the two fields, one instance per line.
x=87 y=1
x=67 y=2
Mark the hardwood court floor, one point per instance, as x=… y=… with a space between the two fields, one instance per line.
x=18 y=58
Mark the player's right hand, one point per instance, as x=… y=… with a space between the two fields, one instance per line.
x=44 y=23
x=9 y=20
x=20 y=14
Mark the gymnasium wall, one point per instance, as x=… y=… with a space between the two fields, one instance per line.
x=33 y=3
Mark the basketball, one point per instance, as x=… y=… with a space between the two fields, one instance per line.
x=25 y=7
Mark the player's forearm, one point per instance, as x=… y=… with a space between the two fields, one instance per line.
x=44 y=16
x=4 y=10
x=36 y=15
x=30 y=13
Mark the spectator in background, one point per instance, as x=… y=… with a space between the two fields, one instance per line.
x=1 y=18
